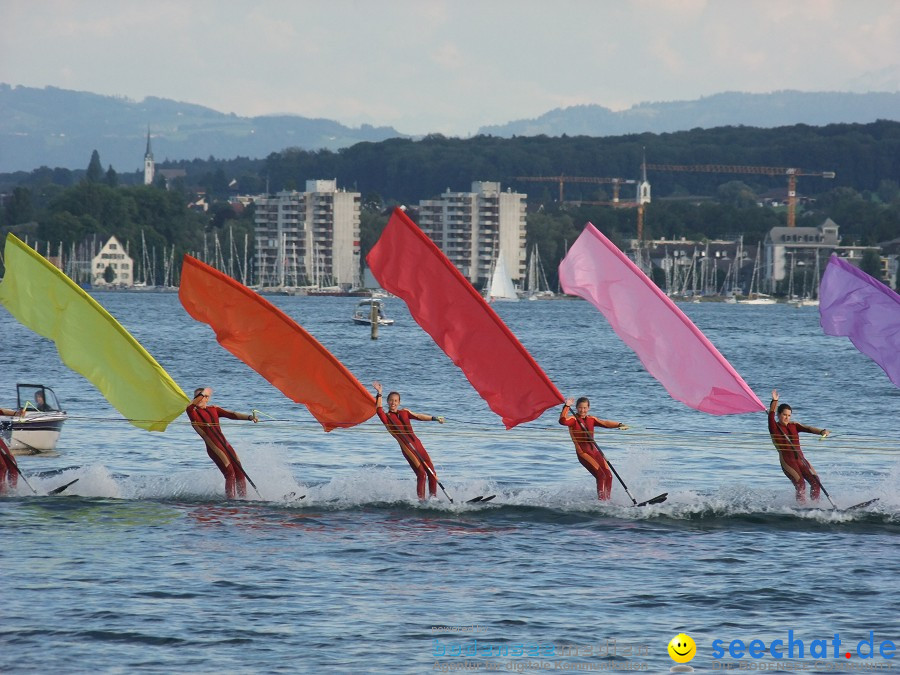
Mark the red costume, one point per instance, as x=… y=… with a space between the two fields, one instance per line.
x=8 y=468
x=398 y=424
x=582 y=432
x=793 y=463
x=206 y=423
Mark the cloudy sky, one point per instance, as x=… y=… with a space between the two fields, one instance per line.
x=447 y=66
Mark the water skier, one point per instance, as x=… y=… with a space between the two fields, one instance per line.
x=397 y=421
x=581 y=429
x=9 y=470
x=787 y=441
x=205 y=420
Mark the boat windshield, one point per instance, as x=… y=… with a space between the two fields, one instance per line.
x=364 y=308
x=37 y=397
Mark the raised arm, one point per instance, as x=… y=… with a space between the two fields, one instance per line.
x=564 y=413
x=377 y=386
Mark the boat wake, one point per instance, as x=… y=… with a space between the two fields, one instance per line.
x=380 y=489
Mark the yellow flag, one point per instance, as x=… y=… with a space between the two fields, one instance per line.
x=89 y=340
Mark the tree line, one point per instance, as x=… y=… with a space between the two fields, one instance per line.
x=864 y=197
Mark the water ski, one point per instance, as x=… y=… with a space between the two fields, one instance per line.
x=56 y=491
x=861 y=504
x=658 y=499
x=481 y=499
x=286 y=499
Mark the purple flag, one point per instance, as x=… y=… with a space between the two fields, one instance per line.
x=853 y=304
x=671 y=347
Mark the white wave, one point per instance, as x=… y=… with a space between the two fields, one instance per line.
x=271 y=468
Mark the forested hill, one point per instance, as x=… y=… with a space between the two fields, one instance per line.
x=405 y=171
x=60 y=128
x=861 y=155
x=65 y=207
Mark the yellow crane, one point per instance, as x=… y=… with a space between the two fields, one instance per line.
x=791 y=174
x=615 y=182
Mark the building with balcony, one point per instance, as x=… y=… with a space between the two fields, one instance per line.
x=308 y=239
x=473 y=228
x=803 y=245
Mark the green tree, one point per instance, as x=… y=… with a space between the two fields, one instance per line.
x=61 y=226
x=109 y=275
x=19 y=207
x=112 y=178
x=373 y=202
x=371 y=224
x=888 y=191
x=95 y=169
x=221 y=214
x=736 y=193
x=216 y=184
x=871 y=264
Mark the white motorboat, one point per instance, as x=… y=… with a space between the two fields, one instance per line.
x=38 y=421
x=363 y=313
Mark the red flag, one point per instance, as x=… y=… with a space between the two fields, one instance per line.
x=409 y=265
x=270 y=342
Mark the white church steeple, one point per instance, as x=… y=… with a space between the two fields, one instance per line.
x=149 y=166
x=644 y=186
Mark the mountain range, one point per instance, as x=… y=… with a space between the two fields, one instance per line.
x=780 y=108
x=61 y=128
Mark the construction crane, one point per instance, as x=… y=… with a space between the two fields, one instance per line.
x=615 y=182
x=791 y=174
x=625 y=205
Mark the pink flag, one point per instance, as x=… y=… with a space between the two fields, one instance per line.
x=669 y=345
x=409 y=265
x=853 y=304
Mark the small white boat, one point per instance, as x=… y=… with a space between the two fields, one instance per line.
x=363 y=313
x=38 y=420
x=754 y=297
x=759 y=299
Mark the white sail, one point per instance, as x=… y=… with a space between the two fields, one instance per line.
x=501 y=283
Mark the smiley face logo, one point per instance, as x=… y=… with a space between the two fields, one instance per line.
x=682 y=648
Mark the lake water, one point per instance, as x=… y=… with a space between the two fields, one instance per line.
x=144 y=566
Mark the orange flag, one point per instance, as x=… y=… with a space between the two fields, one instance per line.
x=411 y=266
x=275 y=346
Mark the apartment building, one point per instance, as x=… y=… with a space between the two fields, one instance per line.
x=308 y=239
x=473 y=228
